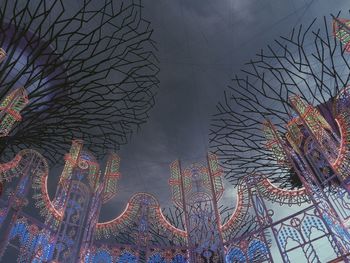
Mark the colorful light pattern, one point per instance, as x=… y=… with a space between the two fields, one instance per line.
x=112 y=176
x=282 y=196
x=235 y=255
x=178 y=259
x=2 y=55
x=156 y=258
x=71 y=228
x=341 y=30
x=216 y=174
x=127 y=257
x=273 y=143
x=10 y=109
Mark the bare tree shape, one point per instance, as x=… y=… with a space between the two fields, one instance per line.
x=90 y=73
x=310 y=62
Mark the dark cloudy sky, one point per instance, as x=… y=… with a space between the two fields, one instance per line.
x=201 y=43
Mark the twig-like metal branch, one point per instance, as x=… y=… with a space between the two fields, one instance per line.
x=309 y=62
x=90 y=73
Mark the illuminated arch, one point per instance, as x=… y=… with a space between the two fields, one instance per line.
x=287 y=232
x=240 y=212
x=40 y=170
x=102 y=256
x=156 y=258
x=20 y=230
x=274 y=193
x=108 y=228
x=127 y=257
x=42 y=241
x=235 y=254
x=310 y=222
x=179 y=259
x=256 y=246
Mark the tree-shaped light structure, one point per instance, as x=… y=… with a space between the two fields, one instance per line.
x=311 y=62
x=89 y=72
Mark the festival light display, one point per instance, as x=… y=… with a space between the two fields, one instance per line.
x=11 y=107
x=71 y=232
x=314 y=145
x=281 y=136
x=341 y=30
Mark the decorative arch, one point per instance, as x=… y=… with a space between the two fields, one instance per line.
x=256 y=246
x=42 y=241
x=102 y=256
x=287 y=232
x=179 y=259
x=40 y=170
x=108 y=228
x=235 y=254
x=240 y=212
x=279 y=195
x=127 y=257
x=156 y=258
x=310 y=222
x=20 y=230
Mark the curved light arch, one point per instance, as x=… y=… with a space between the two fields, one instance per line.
x=107 y=228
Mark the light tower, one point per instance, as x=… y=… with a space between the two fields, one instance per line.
x=78 y=199
x=11 y=106
x=341 y=30
x=196 y=190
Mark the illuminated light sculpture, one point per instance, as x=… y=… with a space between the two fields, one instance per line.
x=66 y=215
x=341 y=30
x=312 y=144
x=71 y=217
x=273 y=143
x=10 y=109
x=112 y=176
x=318 y=128
x=279 y=195
x=299 y=63
x=71 y=231
x=2 y=55
x=282 y=134
x=329 y=210
x=197 y=190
